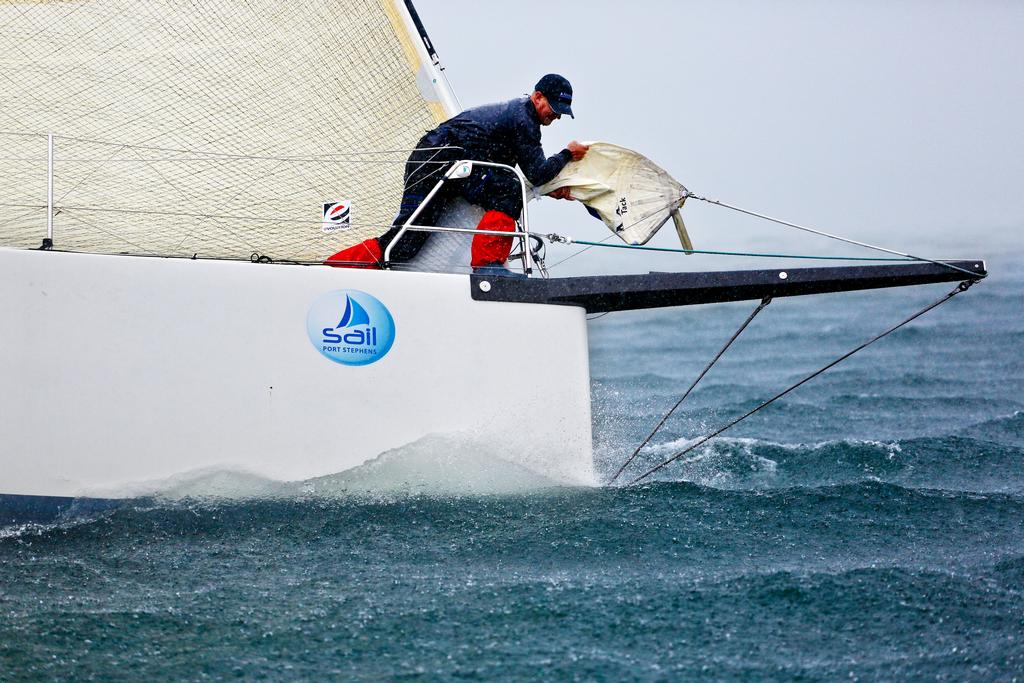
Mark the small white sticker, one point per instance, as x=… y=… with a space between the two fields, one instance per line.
x=337 y=216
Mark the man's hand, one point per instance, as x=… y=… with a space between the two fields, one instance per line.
x=578 y=150
x=561 y=193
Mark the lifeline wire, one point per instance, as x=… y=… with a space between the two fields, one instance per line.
x=962 y=287
x=764 y=302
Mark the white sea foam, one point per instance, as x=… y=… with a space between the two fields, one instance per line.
x=214 y=483
x=747 y=443
x=743 y=462
x=451 y=464
x=22 y=530
x=436 y=465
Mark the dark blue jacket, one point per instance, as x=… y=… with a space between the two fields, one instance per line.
x=504 y=133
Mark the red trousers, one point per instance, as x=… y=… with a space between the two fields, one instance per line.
x=492 y=249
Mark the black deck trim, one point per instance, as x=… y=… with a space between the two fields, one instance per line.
x=605 y=293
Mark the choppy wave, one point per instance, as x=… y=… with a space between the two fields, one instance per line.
x=1008 y=429
x=800 y=528
x=953 y=463
x=892 y=568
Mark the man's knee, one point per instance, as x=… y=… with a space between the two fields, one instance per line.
x=496 y=190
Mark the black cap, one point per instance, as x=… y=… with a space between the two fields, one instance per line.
x=558 y=91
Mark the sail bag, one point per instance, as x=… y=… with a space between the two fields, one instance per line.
x=629 y=192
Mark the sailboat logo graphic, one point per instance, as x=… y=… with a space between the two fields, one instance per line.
x=354 y=314
x=350 y=327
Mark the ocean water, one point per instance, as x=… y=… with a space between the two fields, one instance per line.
x=868 y=526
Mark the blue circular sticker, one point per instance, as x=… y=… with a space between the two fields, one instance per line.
x=350 y=327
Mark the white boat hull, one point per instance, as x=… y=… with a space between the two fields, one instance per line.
x=119 y=370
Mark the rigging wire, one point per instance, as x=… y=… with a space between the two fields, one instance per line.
x=760 y=307
x=715 y=202
x=226 y=155
x=577 y=253
x=962 y=287
x=824 y=234
x=673 y=250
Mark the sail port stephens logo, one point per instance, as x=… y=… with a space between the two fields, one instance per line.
x=350 y=327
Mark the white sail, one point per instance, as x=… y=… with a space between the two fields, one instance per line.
x=218 y=128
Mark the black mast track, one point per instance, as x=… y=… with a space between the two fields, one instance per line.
x=606 y=293
x=421 y=30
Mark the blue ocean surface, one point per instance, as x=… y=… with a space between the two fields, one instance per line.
x=868 y=526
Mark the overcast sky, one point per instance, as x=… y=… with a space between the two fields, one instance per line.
x=895 y=122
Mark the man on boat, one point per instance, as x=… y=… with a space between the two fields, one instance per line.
x=505 y=133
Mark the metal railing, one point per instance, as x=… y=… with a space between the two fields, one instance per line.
x=459 y=170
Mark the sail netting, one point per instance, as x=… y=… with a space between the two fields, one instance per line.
x=219 y=128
